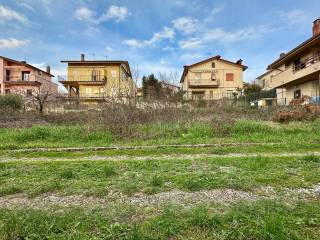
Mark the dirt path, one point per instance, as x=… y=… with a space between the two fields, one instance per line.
x=158 y=157
x=80 y=149
x=186 y=199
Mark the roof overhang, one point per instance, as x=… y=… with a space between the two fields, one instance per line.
x=294 y=52
x=99 y=62
x=22 y=83
x=26 y=65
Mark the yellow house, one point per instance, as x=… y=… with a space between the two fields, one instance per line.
x=212 y=79
x=265 y=81
x=94 y=81
x=298 y=71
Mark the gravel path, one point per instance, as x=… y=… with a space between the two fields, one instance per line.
x=158 y=157
x=186 y=199
x=80 y=149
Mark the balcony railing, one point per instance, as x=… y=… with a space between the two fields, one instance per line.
x=306 y=63
x=29 y=78
x=83 y=78
x=204 y=82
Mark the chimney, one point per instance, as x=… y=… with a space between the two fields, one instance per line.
x=82 y=57
x=282 y=55
x=316 y=27
x=239 y=61
x=48 y=69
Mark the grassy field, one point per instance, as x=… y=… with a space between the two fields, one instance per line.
x=238 y=191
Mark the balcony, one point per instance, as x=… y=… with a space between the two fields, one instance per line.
x=303 y=71
x=82 y=78
x=203 y=83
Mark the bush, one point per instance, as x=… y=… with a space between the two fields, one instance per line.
x=11 y=102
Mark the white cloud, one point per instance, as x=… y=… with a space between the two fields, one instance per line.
x=168 y=49
x=213 y=13
x=166 y=33
x=253 y=32
x=26 y=6
x=116 y=13
x=109 y=49
x=12 y=43
x=134 y=43
x=188 y=57
x=84 y=14
x=294 y=16
x=186 y=25
x=191 y=43
x=7 y=14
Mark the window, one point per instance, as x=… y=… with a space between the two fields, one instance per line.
x=229 y=93
x=7 y=91
x=95 y=75
x=213 y=76
x=88 y=91
x=229 y=76
x=211 y=94
x=29 y=92
x=113 y=73
x=198 y=95
x=7 y=75
x=297 y=94
x=197 y=76
x=25 y=75
x=213 y=65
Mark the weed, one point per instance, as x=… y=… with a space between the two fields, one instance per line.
x=68 y=174
x=109 y=170
x=312 y=158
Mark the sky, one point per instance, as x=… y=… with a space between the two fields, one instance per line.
x=154 y=35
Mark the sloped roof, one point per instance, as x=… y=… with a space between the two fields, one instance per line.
x=306 y=44
x=218 y=57
x=99 y=62
x=26 y=65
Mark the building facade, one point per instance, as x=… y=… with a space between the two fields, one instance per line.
x=212 y=79
x=94 y=81
x=24 y=79
x=298 y=71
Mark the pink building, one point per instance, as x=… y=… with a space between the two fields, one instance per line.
x=24 y=79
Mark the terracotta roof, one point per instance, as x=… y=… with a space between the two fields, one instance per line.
x=26 y=65
x=296 y=50
x=218 y=57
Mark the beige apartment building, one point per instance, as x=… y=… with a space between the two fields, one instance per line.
x=212 y=79
x=94 y=81
x=21 y=78
x=296 y=74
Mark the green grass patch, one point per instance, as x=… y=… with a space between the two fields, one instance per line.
x=151 y=176
x=260 y=220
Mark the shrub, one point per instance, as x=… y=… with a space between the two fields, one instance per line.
x=11 y=102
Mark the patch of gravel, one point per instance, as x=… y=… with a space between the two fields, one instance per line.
x=159 y=157
x=80 y=149
x=288 y=193
x=186 y=199
x=227 y=196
